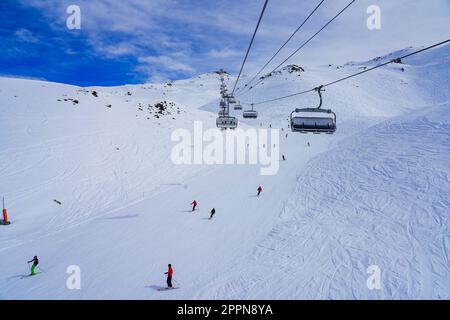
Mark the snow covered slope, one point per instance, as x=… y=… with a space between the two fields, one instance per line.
x=376 y=192
x=94 y=150
x=380 y=198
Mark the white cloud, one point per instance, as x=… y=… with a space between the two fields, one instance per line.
x=26 y=36
x=189 y=36
x=224 y=53
x=166 y=62
x=115 y=50
x=16 y=76
x=158 y=78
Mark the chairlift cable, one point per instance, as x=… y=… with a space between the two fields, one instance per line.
x=284 y=44
x=356 y=74
x=250 y=45
x=303 y=45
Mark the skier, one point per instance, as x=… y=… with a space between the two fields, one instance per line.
x=308 y=144
x=34 y=265
x=169 y=276
x=213 y=211
x=282 y=157
x=194 y=205
x=259 y=191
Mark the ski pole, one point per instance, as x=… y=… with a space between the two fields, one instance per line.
x=41 y=269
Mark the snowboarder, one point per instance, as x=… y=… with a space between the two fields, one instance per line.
x=259 y=191
x=34 y=265
x=213 y=211
x=169 y=276
x=194 y=205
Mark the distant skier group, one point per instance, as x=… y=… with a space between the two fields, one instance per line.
x=35 y=261
x=213 y=210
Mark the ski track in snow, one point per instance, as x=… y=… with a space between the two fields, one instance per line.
x=388 y=211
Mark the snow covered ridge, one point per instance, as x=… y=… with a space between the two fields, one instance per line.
x=90 y=186
x=292 y=68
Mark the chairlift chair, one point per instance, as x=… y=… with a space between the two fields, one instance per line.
x=250 y=114
x=226 y=122
x=230 y=97
x=324 y=120
x=238 y=106
x=223 y=112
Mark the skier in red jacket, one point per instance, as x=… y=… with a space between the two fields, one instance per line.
x=259 y=191
x=169 y=276
x=194 y=205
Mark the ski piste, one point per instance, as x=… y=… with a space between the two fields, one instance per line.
x=90 y=180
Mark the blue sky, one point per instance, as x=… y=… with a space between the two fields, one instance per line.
x=135 y=41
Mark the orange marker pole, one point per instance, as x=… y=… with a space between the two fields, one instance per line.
x=5 y=213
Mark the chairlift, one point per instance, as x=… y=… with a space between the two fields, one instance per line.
x=223 y=112
x=231 y=98
x=324 y=120
x=238 y=106
x=226 y=122
x=252 y=114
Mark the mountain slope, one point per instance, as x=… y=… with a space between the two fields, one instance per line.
x=373 y=193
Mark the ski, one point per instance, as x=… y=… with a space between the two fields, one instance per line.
x=30 y=275
x=167 y=289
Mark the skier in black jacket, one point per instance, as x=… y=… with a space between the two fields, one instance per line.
x=213 y=211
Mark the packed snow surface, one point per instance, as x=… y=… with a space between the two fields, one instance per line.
x=88 y=181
